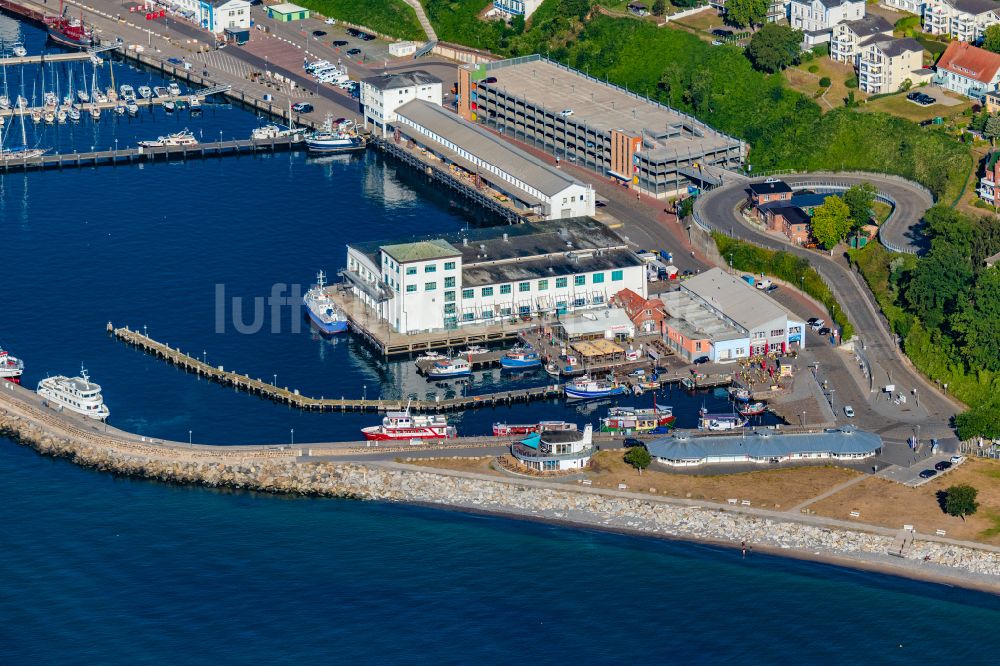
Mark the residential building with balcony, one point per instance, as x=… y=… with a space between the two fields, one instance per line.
x=968 y=70
x=988 y=188
x=964 y=20
x=911 y=6
x=885 y=64
x=845 y=44
x=523 y=8
x=818 y=18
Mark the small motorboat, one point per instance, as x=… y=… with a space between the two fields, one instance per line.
x=18 y=50
x=520 y=359
x=752 y=409
x=169 y=106
x=145 y=92
x=132 y=108
x=739 y=393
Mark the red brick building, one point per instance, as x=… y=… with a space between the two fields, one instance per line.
x=766 y=192
x=646 y=313
x=791 y=221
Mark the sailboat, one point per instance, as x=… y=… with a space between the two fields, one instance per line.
x=22 y=152
x=82 y=93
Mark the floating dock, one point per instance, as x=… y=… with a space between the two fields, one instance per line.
x=44 y=58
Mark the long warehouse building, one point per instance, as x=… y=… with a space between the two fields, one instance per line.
x=647 y=145
x=534 y=186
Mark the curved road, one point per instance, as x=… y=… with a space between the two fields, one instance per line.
x=718 y=209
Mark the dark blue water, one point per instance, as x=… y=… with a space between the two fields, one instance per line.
x=95 y=568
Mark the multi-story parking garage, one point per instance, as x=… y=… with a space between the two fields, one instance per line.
x=649 y=146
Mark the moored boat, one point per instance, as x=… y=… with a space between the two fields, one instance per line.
x=449 y=367
x=145 y=92
x=404 y=426
x=507 y=429
x=720 y=422
x=329 y=140
x=17 y=50
x=739 y=393
x=76 y=394
x=322 y=311
x=752 y=409
x=182 y=138
x=11 y=368
x=69 y=32
x=520 y=359
x=586 y=388
x=626 y=420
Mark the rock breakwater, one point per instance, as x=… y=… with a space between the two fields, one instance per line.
x=282 y=470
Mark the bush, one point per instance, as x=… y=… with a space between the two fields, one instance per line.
x=813 y=69
x=851 y=82
x=825 y=82
x=790 y=268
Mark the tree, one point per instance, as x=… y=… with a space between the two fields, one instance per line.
x=659 y=7
x=991 y=39
x=961 y=500
x=991 y=130
x=978 y=322
x=638 y=457
x=745 y=13
x=859 y=199
x=831 y=221
x=774 y=47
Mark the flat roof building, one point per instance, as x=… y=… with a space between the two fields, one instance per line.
x=483 y=276
x=764 y=446
x=616 y=132
x=381 y=95
x=530 y=183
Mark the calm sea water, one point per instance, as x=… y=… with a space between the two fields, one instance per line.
x=95 y=568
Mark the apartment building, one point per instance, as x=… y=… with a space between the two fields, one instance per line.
x=845 y=42
x=968 y=70
x=964 y=20
x=885 y=64
x=817 y=18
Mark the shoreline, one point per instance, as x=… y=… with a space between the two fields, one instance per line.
x=860 y=547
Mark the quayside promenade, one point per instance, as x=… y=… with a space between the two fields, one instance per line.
x=283 y=469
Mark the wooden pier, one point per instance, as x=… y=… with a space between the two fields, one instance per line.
x=127 y=156
x=296 y=399
x=44 y=58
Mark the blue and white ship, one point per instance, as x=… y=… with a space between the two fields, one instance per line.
x=330 y=140
x=323 y=312
x=447 y=368
x=586 y=388
x=520 y=358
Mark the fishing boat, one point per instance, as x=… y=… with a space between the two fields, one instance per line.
x=76 y=394
x=585 y=388
x=17 y=50
x=448 y=368
x=145 y=92
x=431 y=356
x=626 y=420
x=11 y=368
x=328 y=140
x=473 y=349
x=323 y=312
x=270 y=131
x=182 y=138
x=739 y=393
x=69 y=32
x=752 y=409
x=404 y=426
x=508 y=429
x=520 y=359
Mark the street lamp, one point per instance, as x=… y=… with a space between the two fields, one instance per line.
x=293 y=436
x=364 y=389
x=275 y=380
x=189 y=438
x=204 y=357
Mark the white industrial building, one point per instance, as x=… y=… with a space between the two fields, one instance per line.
x=382 y=95
x=534 y=185
x=483 y=276
x=767 y=326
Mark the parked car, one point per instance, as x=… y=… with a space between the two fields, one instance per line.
x=319 y=33
x=175 y=61
x=339 y=42
x=354 y=51
x=365 y=36
x=927 y=473
x=942 y=466
x=701 y=360
x=353 y=32
x=824 y=331
x=330 y=21
x=490 y=79
x=631 y=442
x=913 y=95
x=302 y=107
x=721 y=32
x=816 y=323
x=848 y=411
x=772 y=288
x=566 y=113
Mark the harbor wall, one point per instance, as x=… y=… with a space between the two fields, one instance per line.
x=281 y=471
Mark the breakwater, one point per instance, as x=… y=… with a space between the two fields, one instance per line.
x=282 y=470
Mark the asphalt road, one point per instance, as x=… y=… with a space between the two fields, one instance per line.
x=718 y=209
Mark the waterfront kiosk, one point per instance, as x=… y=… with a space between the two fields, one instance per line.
x=555 y=450
x=492 y=275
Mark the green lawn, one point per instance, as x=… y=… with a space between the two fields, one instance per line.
x=389 y=17
x=458 y=21
x=898 y=105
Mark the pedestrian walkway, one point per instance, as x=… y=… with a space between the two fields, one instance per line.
x=832 y=491
x=221 y=61
x=424 y=21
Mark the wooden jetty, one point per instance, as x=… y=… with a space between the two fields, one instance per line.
x=44 y=58
x=145 y=154
x=296 y=399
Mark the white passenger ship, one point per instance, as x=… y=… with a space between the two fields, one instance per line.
x=77 y=394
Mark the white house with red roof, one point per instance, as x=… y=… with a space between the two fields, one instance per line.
x=968 y=70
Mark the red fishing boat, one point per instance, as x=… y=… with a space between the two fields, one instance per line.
x=69 y=32
x=11 y=368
